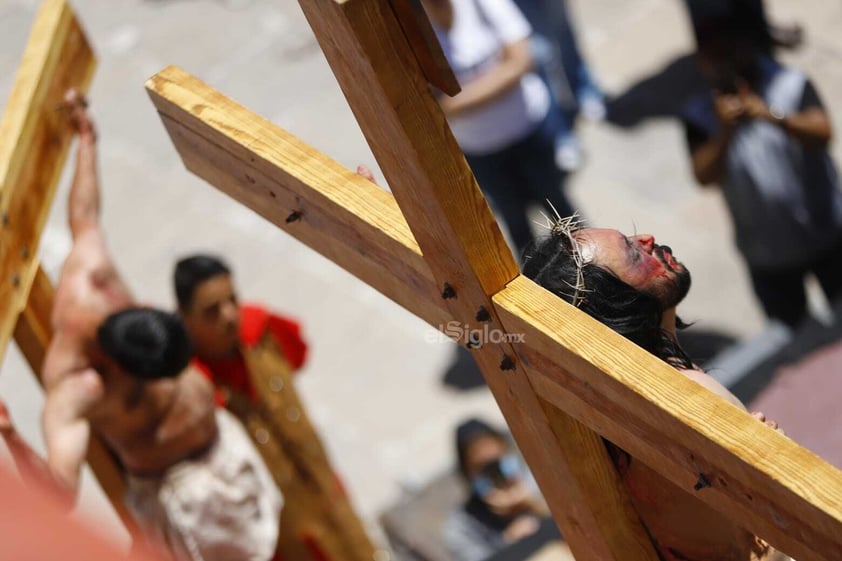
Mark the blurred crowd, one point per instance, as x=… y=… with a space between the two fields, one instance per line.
x=759 y=133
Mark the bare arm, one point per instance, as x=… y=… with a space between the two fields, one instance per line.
x=67 y=431
x=810 y=126
x=516 y=61
x=83 y=205
x=72 y=389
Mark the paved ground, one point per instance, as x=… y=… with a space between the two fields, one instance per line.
x=373 y=385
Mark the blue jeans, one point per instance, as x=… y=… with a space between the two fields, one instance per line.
x=550 y=19
x=522 y=175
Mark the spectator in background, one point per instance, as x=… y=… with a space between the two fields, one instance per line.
x=750 y=15
x=222 y=329
x=501 y=116
x=570 y=80
x=504 y=505
x=762 y=134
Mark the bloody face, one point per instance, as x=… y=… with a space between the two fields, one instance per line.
x=638 y=261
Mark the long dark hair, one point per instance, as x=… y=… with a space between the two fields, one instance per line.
x=634 y=314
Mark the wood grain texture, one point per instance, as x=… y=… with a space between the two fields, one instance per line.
x=463 y=247
x=317 y=513
x=34 y=138
x=760 y=479
x=425 y=45
x=344 y=217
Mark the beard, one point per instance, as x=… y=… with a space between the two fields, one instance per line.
x=674 y=292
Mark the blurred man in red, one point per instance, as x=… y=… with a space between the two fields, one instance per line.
x=222 y=329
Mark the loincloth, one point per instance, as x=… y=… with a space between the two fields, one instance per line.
x=220 y=506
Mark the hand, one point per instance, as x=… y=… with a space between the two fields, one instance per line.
x=366 y=173
x=753 y=105
x=78 y=115
x=728 y=108
x=521 y=527
x=760 y=416
x=514 y=498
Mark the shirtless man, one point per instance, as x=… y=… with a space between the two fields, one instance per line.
x=195 y=482
x=633 y=285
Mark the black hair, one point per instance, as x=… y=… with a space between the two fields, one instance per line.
x=632 y=313
x=468 y=432
x=192 y=271
x=735 y=43
x=147 y=343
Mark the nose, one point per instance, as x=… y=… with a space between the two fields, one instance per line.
x=646 y=241
x=230 y=312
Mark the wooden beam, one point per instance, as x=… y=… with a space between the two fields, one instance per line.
x=34 y=138
x=425 y=45
x=34 y=328
x=378 y=71
x=760 y=479
x=344 y=217
x=359 y=226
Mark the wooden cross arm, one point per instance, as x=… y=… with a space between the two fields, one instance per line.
x=345 y=217
x=750 y=473
x=34 y=137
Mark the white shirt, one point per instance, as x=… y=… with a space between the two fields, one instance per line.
x=473 y=45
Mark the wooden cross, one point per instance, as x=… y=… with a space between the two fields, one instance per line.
x=34 y=139
x=433 y=247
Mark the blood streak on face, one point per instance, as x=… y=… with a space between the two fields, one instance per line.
x=638 y=261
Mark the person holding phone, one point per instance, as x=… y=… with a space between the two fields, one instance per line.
x=504 y=504
x=762 y=135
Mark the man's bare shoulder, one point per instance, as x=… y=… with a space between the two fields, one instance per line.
x=704 y=379
x=90 y=284
x=88 y=253
x=65 y=357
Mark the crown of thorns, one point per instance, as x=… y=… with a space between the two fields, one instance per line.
x=566 y=228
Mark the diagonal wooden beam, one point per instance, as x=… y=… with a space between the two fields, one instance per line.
x=376 y=67
x=34 y=138
x=345 y=217
x=762 y=480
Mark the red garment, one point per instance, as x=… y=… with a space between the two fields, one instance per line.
x=232 y=372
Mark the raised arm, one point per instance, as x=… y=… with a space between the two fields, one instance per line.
x=83 y=205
